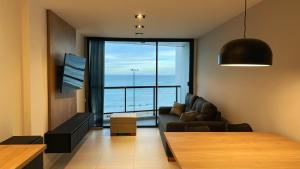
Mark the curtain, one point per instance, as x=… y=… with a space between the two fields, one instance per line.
x=96 y=80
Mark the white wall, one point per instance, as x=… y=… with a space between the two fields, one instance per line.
x=10 y=69
x=267 y=98
x=34 y=68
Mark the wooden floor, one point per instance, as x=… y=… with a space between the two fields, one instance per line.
x=99 y=150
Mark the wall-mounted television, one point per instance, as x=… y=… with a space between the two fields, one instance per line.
x=73 y=72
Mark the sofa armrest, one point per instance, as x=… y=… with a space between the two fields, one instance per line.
x=214 y=126
x=164 y=110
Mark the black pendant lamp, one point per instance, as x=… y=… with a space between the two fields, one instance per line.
x=245 y=51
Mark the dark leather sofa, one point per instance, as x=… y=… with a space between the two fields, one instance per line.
x=208 y=119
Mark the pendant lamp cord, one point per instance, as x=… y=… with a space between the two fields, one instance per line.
x=245 y=19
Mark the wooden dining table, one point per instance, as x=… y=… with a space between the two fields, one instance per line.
x=233 y=150
x=18 y=156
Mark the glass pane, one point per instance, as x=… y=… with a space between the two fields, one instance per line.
x=166 y=96
x=140 y=99
x=173 y=72
x=131 y=66
x=114 y=100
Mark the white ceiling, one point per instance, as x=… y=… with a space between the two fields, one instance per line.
x=164 y=18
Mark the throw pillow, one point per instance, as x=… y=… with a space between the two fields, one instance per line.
x=188 y=116
x=177 y=109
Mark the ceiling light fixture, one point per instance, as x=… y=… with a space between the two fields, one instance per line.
x=139 y=26
x=245 y=51
x=140 y=16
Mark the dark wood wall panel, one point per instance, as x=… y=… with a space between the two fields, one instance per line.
x=61 y=39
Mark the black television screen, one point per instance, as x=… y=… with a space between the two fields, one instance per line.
x=73 y=71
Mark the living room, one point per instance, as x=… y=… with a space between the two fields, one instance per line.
x=151 y=54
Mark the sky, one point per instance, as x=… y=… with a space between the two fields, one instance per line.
x=121 y=57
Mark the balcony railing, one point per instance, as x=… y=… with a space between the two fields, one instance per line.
x=125 y=92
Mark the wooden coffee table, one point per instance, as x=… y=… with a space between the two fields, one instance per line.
x=226 y=150
x=123 y=123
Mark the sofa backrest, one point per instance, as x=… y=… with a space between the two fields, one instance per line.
x=207 y=111
x=189 y=101
x=197 y=106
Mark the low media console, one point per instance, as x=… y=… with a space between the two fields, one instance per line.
x=65 y=137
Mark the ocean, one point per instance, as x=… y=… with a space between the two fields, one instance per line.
x=114 y=98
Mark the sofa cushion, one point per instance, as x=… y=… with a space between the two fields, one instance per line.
x=189 y=101
x=208 y=107
x=205 y=117
x=197 y=106
x=164 y=119
x=177 y=109
x=218 y=116
x=207 y=111
x=188 y=116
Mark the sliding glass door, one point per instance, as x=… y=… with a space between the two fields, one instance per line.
x=130 y=69
x=141 y=76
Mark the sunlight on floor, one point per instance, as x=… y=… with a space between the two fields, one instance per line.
x=98 y=150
